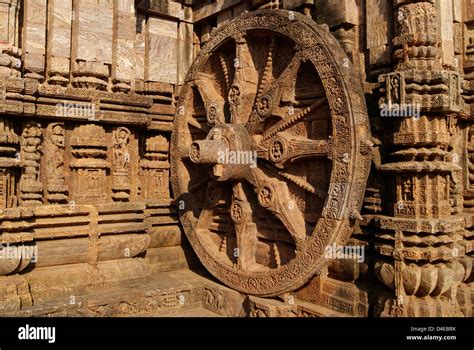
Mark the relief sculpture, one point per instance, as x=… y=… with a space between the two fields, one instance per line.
x=253 y=158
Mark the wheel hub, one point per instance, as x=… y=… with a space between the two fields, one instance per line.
x=228 y=149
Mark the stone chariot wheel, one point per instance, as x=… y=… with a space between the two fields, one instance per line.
x=270 y=151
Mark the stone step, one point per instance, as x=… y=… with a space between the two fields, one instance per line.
x=193 y=311
x=173 y=293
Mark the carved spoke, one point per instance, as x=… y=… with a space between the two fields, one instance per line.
x=267 y=74
x=245 y=229
x=291 y=120
x=244 y=87
x=284 y=149
x=195 y=123
x=214 y=198
x=213 y=101
x=280 y=91
x=274 y=196
x=297 y=180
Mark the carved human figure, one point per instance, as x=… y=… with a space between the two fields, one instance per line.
x=407 y=189
x=121 y=155
x=395 y=87
x=30 y=146
x=57 y=139
x=31 y=138
x=265 y=196
x=236 y=212
x=277 y=151
x=209 y=297
x=263 y=105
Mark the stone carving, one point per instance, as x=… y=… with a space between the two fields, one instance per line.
x=121 y=164
x=420 y=259
x=56 y=189
x=9 y=161
x=89 y=149
x=270 y=155
x=30 y=184
x=277 y=102
x=154 y=172
x=214 y=300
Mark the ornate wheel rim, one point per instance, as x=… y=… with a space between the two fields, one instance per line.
x=269 y=109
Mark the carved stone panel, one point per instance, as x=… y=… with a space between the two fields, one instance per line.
x=89 y=167
x=54 y=170
x=154 y=168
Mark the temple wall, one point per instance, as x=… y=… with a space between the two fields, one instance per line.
x=88 y=92
x=87 y=101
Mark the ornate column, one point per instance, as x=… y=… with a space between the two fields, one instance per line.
x=419 y=241
x=466 y=57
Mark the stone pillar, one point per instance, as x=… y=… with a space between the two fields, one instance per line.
x=10 y=62
x=185 y=46
x=92 y=43
x=59 y=42
x=344 y=19
x=379 y=33
x=162 y=55
x=34 y=38
x=419 y=242
x=464 y=13
x=123 y=42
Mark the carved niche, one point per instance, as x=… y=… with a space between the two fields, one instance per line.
x=9 y=161
x=89 y=165
x=54 y=148
x=121 y=164
x=154 y=168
